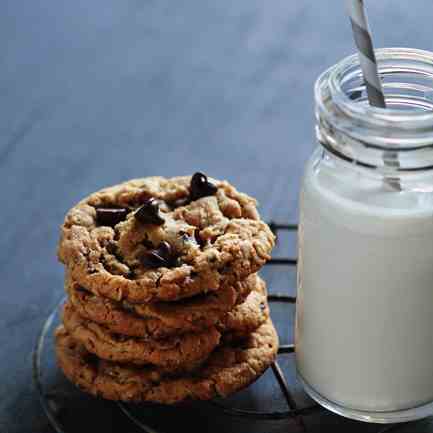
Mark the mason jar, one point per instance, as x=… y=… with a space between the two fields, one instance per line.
x=364 y=319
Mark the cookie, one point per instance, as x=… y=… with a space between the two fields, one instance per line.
x=172 y=355
x=247 y=316
x=161 y=319
x=164 y=239
x=229 y=369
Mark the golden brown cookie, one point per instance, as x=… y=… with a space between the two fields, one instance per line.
x=173 y=354
x=229 y=369
x=164 y=319
x=247 y=316
x=164 y=239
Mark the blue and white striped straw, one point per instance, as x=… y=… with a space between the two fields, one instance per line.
x=367 y=59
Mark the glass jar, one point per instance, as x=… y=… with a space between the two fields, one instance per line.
x=364 y=320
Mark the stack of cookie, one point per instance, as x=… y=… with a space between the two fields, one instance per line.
x=164 y=301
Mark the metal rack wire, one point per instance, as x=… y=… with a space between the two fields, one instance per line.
x=293 y=412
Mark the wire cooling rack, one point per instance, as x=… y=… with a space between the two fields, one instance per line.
x=294 y=411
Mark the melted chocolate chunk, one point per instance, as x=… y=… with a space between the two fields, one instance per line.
x=201 y=187
x=147 y=243
x=161 y=256
x=110 y=216
x=149 y=213
x=198 y=238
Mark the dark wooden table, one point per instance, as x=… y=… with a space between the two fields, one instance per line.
x=96 y=92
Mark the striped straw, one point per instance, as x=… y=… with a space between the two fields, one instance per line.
x=367 y=59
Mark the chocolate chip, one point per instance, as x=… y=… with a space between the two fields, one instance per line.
x=161 y=256
x=150 y=259
x=149 y=213
x=262 y=306
x=106 y=216
x=201 y=187
x=198 y=238
x=147 y=243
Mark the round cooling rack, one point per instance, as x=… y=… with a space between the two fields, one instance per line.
x=275 y=400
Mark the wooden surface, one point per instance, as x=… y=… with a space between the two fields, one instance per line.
x=95 y=92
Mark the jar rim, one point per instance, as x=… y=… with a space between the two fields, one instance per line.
x=375 y=116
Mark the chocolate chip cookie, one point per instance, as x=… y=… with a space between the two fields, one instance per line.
x=173 y=354
x=162 y=319
x=229 y=369
x=247 y=316
x=164 y=239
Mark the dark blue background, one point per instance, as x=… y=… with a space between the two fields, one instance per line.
x=93 y=92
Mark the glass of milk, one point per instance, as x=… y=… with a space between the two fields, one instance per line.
x=364 y=319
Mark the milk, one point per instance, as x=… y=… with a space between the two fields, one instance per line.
x=364 y=326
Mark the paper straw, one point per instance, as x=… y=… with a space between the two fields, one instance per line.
x=367 y=59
